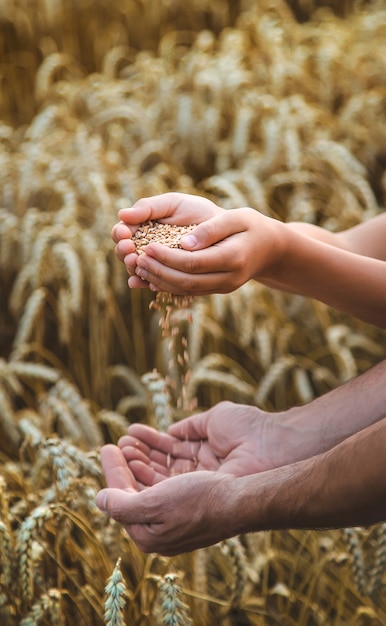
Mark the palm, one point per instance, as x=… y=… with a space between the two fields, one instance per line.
x=228 y=438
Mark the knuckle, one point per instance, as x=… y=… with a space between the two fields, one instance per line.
x=191 y=263
x=143 y=537
x=189 y=285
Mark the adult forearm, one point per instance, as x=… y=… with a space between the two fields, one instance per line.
x=350 y=282
x=345 y=486
x=323 y=423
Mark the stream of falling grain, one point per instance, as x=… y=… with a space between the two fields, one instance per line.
x=167 y=304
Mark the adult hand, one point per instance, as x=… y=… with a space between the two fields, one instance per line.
x=177 y=515
x=225 y=250
x=230 y=438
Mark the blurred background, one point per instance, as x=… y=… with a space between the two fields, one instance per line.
x=280 y=106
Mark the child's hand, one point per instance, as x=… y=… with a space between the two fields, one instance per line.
x=225 y=250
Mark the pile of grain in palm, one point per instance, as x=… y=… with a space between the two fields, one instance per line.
x=169 y=235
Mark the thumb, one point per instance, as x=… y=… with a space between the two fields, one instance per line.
x=212 y=231
x=117 y=504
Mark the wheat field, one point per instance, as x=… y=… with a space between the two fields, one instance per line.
x=280 y=106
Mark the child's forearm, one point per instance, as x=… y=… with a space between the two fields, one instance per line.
x=367 y=238
x=350 y=282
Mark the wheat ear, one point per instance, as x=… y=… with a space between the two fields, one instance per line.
x=115 y=601
x=174 y=611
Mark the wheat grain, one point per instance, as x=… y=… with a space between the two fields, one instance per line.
x=169 y=235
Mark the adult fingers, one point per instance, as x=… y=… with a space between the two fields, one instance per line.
x=147 y=438
x=115 y=469
x=192 y=428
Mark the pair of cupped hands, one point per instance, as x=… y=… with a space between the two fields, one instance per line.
x=170 y=489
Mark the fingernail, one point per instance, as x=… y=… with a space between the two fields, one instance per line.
x=189 y=241
x=140 y=272
x=101 y=501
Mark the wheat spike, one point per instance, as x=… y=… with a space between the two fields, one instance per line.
x=29 y=425
x=64 y=471
x=57 y=415
x=234 y=550
x=46 y=74
x=114 y=420
x=358 y=560
x=7 y=422
x=115 y=597
x=174 y=611
x=223 y=380
x=36 y=371
x=272 y=376
x=30 y=318
x=303 y=385
x=336 y=336
x=25 y=538
x=8 y=231
x=73 y=273
x=378 y=561
x=159 y=400
x=6 y=553
x=79 y=408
